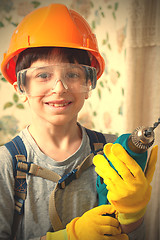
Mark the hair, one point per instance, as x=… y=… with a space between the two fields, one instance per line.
x=30 y=55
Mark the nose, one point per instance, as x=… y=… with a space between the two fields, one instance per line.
x=59 y=86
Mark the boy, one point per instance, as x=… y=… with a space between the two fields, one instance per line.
x=52 y=62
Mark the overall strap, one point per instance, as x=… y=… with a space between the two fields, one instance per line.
x=16 y=147
x=18 y=152
x=97 y=141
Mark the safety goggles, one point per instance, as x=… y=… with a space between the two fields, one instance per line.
x=40 y=81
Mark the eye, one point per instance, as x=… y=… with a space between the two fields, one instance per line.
x=43 y=76
x=73 y=75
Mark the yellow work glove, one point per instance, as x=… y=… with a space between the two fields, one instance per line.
x=59 y=235
x=92 y=225
x=129 y=190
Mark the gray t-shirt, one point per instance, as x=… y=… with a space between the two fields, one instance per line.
x=78 y=197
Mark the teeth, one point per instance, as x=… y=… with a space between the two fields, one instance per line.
x=58 y=105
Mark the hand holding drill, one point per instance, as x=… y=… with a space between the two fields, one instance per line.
x=129 y=190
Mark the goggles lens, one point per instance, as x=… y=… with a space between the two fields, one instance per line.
x=40 y=81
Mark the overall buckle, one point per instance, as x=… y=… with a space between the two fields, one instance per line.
x=66 y=179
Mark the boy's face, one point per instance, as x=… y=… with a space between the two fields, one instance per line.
x=63 y=103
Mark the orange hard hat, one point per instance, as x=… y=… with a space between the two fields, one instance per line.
x=51 y=26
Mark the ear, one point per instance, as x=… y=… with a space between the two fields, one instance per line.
x=23 y=97
x=87 y=94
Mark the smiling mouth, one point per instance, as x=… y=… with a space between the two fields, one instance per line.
x=58 y=105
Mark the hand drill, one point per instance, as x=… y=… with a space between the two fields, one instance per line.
x=136 y=144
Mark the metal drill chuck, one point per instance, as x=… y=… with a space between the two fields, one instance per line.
x=139 y=141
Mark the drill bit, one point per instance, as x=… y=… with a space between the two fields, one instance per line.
x=142 y=138
x=149 y=131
